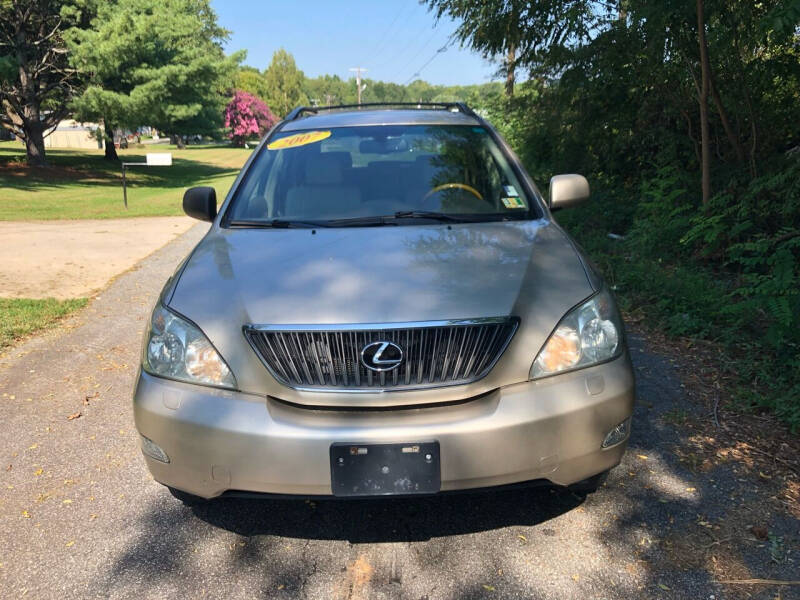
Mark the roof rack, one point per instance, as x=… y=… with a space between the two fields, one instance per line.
x=451 y=106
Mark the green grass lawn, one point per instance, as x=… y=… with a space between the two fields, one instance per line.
x=21 y=317
x=81 y=184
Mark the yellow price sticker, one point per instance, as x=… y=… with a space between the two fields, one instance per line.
x=299 y=139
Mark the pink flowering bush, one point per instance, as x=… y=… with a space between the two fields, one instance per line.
x=247 y=116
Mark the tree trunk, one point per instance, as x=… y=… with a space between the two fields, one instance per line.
x=34 y=147
x=510 y=68
x=180 y=142
x=33 y=131
x=703 y=100
x=108 y=134
x=32 y=126
x=723 y=114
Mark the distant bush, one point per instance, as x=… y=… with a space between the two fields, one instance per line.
x=247 y=116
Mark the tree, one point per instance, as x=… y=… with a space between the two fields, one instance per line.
x=247 y=116
x=36 y=80
x=250 y=80
x=284 y=83
x=705 y=77
x=154 y=62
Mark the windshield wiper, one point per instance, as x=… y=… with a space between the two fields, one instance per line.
x=276 y=223
x=459 y=218
x=427 y=214
x=379 y=220
x=376 y=221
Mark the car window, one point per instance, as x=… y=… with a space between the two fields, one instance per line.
x=350 y=172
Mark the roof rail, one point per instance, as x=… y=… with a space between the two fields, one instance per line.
x=458 y=106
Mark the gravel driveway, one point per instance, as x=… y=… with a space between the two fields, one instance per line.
x=80 y=516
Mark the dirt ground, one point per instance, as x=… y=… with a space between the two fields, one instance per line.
x=70 y=259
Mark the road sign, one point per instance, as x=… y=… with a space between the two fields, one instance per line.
x=159 y=159
x=154 y=159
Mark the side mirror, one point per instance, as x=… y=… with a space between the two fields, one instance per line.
x=568 y=190
x=200 y=203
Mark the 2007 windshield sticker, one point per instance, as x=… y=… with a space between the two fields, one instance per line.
x=299 y=139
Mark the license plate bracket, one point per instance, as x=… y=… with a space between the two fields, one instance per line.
x=385 y=469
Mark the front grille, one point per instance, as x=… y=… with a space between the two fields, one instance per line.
x=434 y=353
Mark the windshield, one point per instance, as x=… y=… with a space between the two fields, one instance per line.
x=355 y=173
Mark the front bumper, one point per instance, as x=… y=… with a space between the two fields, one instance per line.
x=549 y=429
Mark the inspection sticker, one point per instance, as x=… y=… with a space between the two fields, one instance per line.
x=299 y=139
x=510 y=190
x=515 y=202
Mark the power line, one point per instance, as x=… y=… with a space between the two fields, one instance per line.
x=417 y=53
x=399 y=53
x=430 y=60
x=382 y=42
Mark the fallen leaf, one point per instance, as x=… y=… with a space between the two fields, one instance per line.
x=9 y=467
x=33 y=447
x=488 y=588
x=67 y=501
x=760 y=532
x=26 y=514
x=70 y=543
x=666 y=588
x=576 y=577
x=642 y=456
x=38 y=471
x=522 y=537
x=74 y=416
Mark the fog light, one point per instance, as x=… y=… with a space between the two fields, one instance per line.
x=618 y=435
x=153 y=450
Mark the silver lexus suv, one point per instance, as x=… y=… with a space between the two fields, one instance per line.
x=383 y=305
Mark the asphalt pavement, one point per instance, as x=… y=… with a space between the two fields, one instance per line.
x=80 y=516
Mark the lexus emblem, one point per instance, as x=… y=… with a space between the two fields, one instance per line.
x=381 y=356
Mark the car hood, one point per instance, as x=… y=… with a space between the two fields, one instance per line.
x=390 y=274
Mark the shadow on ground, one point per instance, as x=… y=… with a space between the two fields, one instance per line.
x=388 y=520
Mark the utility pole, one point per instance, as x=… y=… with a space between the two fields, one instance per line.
x=329 y=98
x=358 y=80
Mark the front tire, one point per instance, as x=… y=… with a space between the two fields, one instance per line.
x=185 y=497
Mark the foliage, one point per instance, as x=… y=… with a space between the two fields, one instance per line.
x=158 y=62
x=247 y=116
x=613 y=92
x=331 y=89
x=250 y=80
x=283 y=83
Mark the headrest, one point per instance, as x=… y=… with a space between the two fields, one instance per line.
x=344 y=158
x=323 y=170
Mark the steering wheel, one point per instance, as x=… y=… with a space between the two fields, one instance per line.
x=449 y=186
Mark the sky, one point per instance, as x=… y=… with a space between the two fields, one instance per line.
x=392 y=39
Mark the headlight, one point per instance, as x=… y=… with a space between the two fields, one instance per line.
x=177 y=349
x=590 y=333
